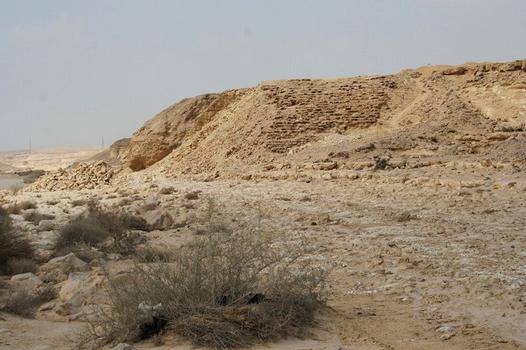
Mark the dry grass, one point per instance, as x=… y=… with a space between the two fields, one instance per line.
x=12 y=245
x=223 y=290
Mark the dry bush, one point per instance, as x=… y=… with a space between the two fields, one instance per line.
x=21 y=265
x=17 y=208
x=96 y=227
x=223 y=290
x=24 y=303
x=52 y=202
x=12 y=245
x=150 y=254
x=21 y=303
x=192 y=196
x=380 y=163
x=167 y=190
x=406 y=216
x=35 y=217
x=134 y=222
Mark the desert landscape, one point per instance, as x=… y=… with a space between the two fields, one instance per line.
x=392 y=210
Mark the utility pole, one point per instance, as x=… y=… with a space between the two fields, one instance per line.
x=30 y=146
x=102 y=142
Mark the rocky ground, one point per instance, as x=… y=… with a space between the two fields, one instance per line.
x=411 y=187
x=430 y=258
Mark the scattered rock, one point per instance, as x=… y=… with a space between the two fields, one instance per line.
x=27 y=281
x=159 y=219
x=81 y=176
x=64 y=265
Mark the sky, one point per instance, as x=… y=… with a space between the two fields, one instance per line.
x=73 y=72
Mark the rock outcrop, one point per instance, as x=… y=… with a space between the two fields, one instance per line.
x=166 y=131
x=293 y=125
x=278 y=122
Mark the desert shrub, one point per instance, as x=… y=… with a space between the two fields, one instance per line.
x=96 y=227
x=35 y=217
x=167 y=190
x=406 y=216
x=380 y=163
x=24 y=303
x=21 y=265
x=21 y=303
x=192 y=195
x=52 y=202
x=17 y=208
x=12 y=245
x=134 y=222
x=223 y=290
x=150 y=254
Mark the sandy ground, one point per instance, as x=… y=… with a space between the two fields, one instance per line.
x=429 y=258
x=46 y=159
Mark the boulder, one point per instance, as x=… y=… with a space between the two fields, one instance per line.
x=65 y=264
x=80 y=289
x=27 y=281
x=159 y=220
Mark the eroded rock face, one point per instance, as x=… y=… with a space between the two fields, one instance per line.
x=166 y=131
x=234 y=132
x=119 y=147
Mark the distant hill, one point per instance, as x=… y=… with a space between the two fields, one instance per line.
x=46 y=159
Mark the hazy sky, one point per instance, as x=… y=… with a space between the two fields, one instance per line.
x=74 y=71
